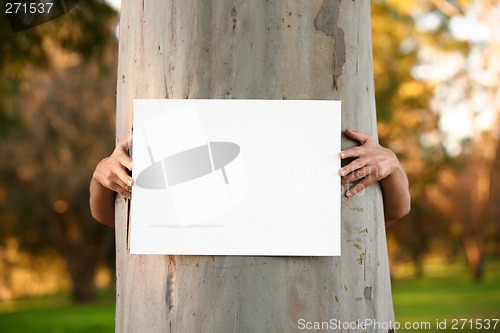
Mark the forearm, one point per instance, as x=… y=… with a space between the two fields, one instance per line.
x=372 y=163
x=102 y=203
x=395 y=189
x=110 y=177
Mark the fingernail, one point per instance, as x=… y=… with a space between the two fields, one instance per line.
x=342 y=172
x=348 y=194
x=129 y=182
x=342 y=154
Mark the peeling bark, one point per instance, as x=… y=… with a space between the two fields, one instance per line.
x=327 y=22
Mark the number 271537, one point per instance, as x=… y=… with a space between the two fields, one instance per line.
x=25 y=8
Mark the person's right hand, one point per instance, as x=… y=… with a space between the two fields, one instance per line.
x=112 y=173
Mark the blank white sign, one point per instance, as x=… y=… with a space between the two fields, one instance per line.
x=236 y=177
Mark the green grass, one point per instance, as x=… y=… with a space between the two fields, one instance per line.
x=56 y=314
x=445 y=293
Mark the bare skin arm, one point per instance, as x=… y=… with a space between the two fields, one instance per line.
x=375 y=163
x=372 y=163
x=110 y=177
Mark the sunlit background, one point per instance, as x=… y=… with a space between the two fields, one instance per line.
x=437 y=75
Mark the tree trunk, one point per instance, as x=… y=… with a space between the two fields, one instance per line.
x=272 y=49
x=474 y=252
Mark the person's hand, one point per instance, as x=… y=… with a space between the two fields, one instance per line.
x=372 y=162
x=111 y=172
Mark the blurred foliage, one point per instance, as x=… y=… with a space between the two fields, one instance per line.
x=84 y=31
x=404 y=118
x=57 y=108
x=451 y=200
x=57 y=84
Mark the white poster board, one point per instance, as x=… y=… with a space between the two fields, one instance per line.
x=236 y=177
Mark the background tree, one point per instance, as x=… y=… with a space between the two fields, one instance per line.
x=62 y=75
x=471 y=93
x=420 y=103
x=405 y=122
x=41 y=67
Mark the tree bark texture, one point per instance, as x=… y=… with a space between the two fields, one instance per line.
x=276 y=49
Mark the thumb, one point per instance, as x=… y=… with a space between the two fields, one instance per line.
x=124 y=144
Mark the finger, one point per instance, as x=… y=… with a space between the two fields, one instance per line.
x=123 y=176
x=124 y=145
x=361 y=137
x=111 y=178
x=357 y=151
x=120 y=190
x=129 y=141
x=357 y=174
x=114 y=183
x=121 y=153
x=367 y=181
x=354 y=165
x=126 y=162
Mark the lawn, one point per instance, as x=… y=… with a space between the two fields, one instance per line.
x=56 y=314
x=445 y=293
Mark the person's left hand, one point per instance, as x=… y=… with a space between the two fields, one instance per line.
x=372 y=162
